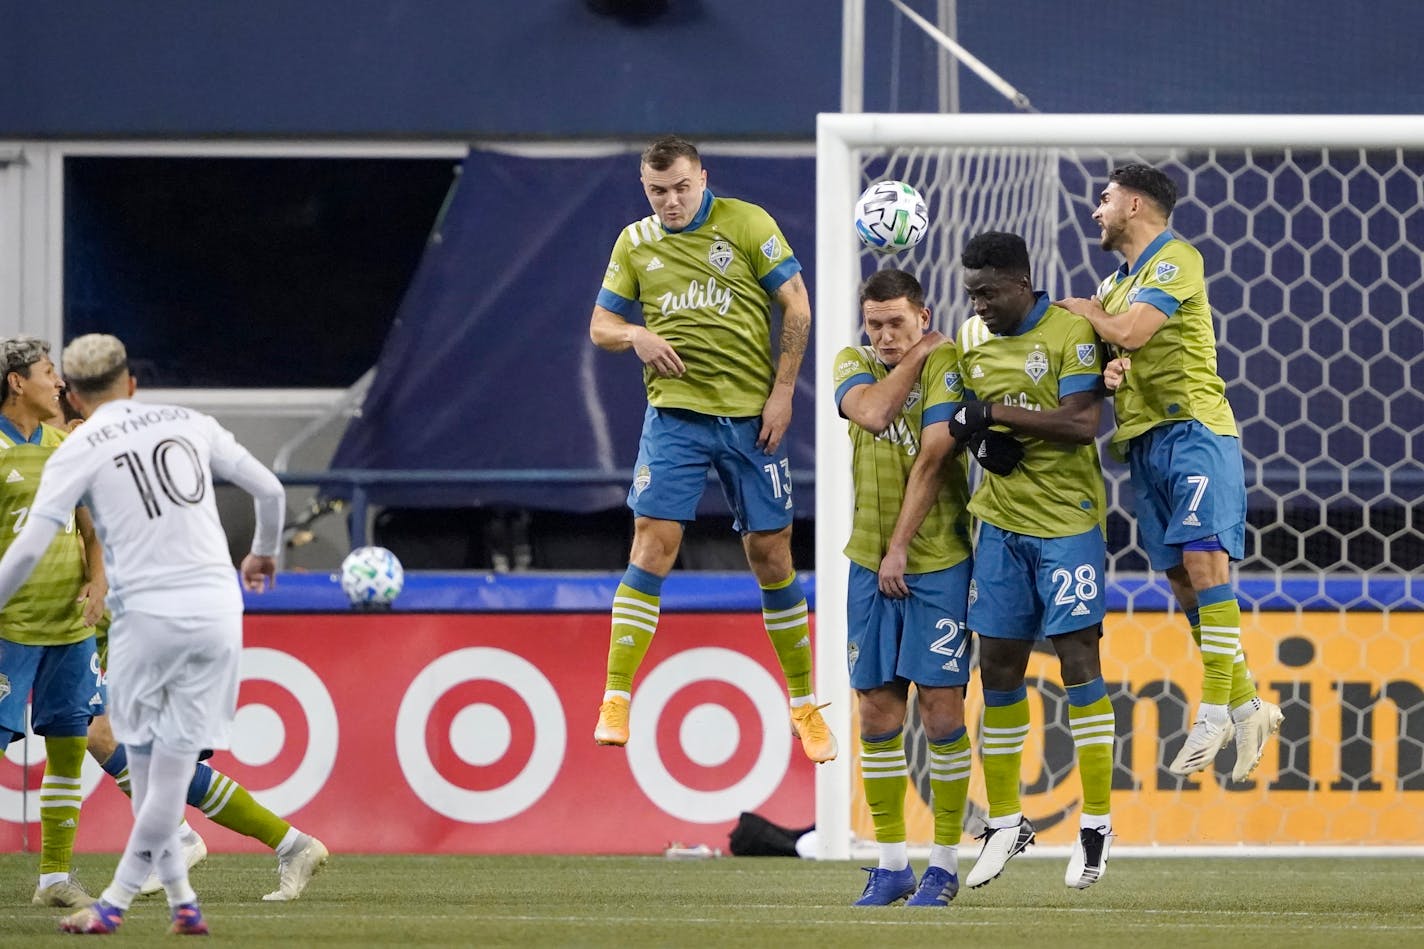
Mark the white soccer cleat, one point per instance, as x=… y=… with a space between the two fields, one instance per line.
x=295 y=872
x=1201 y=747
x=1089 y=860
x=195 y=851
x=1000 y=843
x=1252 y=734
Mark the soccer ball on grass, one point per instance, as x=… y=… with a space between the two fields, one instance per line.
x=371 y=577
x=891 y=216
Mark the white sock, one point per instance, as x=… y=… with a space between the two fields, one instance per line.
x=799 y=700
x=615 y=694
x=1245 y=710
x=1216 y=714
x=1102 y=823
x=288 y=843
x=1008 y=820
x=946 y=858
x=894 y=856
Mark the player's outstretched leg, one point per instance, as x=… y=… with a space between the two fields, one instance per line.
x=637 y=604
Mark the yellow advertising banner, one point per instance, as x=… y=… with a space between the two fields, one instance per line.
x=1347 y=767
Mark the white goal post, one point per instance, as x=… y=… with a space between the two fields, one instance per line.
x=1311 y=228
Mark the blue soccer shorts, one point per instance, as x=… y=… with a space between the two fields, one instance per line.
x=675 y=451
x=1188 y=485
x=922 y=638
x=66 y=682
x=1030 y=588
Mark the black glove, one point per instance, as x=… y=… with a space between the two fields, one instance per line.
x=997 y=452
x=969 y=418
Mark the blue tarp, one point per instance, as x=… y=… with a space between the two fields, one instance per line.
x=712 y=592
x=489 y=365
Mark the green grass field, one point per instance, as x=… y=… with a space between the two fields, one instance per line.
x=535 y=902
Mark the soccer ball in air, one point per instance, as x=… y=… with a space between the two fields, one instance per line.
x=371 y=577
x=891 y=216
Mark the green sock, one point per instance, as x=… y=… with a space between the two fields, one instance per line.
x=1243 y=685
x=229 y=805
x=636 y=606
x=886 y=778
x=783 y=610
x=1090 y=718
x=1001 y=747
x=950 y=762
x=60 y=797
x=1220 y=640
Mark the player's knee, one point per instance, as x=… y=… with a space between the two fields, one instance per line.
x=655 y=545
x=1206 y=568
x=769 y=555
x=882 y=710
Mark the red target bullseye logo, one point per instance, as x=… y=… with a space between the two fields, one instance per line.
x=480 y=735
x=286 y=724
x=710 y=736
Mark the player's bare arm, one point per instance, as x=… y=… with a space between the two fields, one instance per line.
x=1073 y=422
x=795 y=335
x=1130 y=329
x=610 y=331
x=96 y=586
x=921 y=491
x=874 y=406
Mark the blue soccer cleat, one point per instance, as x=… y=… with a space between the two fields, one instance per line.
x=886 y=886
x=937 y=887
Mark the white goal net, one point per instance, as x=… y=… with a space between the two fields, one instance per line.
x=1310 y=229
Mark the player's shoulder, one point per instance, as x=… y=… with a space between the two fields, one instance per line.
x=1179 y=250
x=734 y=213
x=645 y=230
x=973 y=334
x=51 y=435
x=1065 y=321
x=853 y=360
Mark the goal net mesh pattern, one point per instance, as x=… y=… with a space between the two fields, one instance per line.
x=1313 y=266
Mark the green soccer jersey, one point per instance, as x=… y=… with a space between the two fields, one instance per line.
x=1057 y=490
x=1173 y=375
x=43 y=612
x=882 y=463
x=705 y=290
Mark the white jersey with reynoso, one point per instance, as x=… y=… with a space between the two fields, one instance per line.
x=145 y=471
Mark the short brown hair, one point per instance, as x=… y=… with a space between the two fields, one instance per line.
x=886 y=285
x=661 y=154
